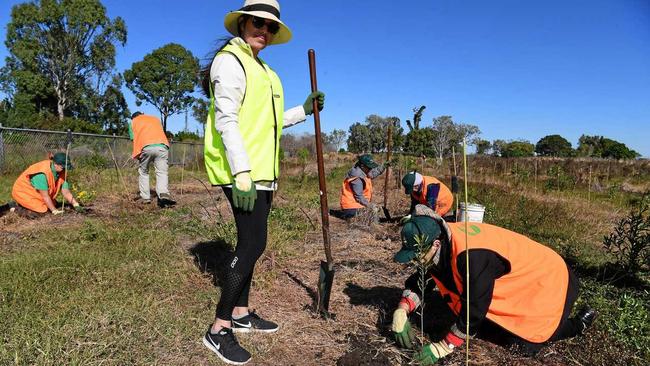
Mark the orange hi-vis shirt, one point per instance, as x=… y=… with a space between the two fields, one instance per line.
x=147 y=130
x=347 y=195
x=528 y=301
x=27 y=196
x=445 y=197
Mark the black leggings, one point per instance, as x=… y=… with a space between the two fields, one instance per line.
x=251 y=242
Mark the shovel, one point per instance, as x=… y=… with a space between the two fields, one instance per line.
x=326 y=275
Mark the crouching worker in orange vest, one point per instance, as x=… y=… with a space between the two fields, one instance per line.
x=150 y=145
x=427 y=191
x=356 y=190
x=521 y=292
x=35 y=190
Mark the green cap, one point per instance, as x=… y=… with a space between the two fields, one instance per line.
x=366 y=160
x=408 y=182
x=60 y=158
x=423 y=226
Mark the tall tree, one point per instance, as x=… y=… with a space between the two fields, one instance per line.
x=603 y=147
x=553 y=145
x=482 y=146
x=58 y=49
x=519 y=148
x=418 y=142
x=359 y=139
x=200 y=111
x=417 y=117
x=336 y=138
x=165 y=79
x=446 y=134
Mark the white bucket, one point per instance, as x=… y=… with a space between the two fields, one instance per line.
x=475 y=212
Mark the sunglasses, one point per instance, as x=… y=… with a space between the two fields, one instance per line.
x=271 y=26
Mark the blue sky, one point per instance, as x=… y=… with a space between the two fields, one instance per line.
x=517 y=69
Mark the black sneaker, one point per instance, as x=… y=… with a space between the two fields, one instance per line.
x=586 y=317
x=253 y=323
x=225 y=345
x=165 y=200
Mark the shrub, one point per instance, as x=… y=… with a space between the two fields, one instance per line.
x=629 y=243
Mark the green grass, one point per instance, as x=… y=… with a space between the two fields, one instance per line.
x=111 y=292
x=126 y=291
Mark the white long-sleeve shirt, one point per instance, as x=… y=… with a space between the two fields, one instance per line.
x=229 y=79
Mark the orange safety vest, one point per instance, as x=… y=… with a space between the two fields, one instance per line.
x=27 y=196
x=529 y=300
x=347 y=196
x=445 y=198
x=147 y=130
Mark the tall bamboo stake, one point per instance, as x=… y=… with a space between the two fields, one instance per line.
x=466 y=254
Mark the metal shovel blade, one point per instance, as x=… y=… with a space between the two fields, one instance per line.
x=325 y=280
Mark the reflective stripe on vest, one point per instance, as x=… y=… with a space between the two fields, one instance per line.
x=260 y=123
x=147 y=130
x=29 y=197
x=529 y=300
x=445 y=197
x=347 y=195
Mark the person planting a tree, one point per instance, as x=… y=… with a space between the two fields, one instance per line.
x=242 y=145
x=427 y=191
x=36 y=189
x=521 y=292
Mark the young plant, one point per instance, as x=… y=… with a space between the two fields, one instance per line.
x=629 y=243
x=423 y=267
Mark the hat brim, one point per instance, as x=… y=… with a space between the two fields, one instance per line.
x=230 y=22
x=404 y=256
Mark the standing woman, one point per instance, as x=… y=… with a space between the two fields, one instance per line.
x=242 y=143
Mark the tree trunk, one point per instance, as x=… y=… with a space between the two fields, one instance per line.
x=164 y=122
x=60 y=104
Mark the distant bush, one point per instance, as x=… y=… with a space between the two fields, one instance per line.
x=629 y=243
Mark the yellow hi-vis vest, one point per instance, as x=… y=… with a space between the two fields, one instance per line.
x=260 y=122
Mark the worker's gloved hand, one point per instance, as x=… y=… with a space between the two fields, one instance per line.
x=308 y=106
x=78 y=208
x=433 y=352
x=57 y=211
x=404 y=219
x=243 y=192
x=402 y=329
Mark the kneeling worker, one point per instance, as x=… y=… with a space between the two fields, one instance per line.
x=522 y=292
x=36 y=188
x=356 y=190
x=428 y=191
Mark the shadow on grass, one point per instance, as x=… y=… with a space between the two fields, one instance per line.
x=385 y=300
x=310 y=291
x=210 y=257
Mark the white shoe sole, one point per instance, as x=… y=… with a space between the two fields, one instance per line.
x=211 y=348
x=254 y=330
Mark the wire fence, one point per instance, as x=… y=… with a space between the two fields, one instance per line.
x=20 y=147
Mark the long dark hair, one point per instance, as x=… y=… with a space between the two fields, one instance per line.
x=222 y=43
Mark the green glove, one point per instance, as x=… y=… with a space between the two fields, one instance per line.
x=402 y=329
x=308 y=106
x=243 y=192
x=433 y=352
x=79 y=209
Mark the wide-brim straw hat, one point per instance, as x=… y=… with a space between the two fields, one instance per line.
x=267 y=9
